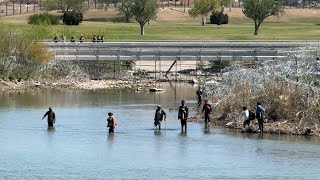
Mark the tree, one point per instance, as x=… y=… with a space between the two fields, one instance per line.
x=126 y=9
x=204 y=7
x=143 y=11
x=65 y=5
x=259 y=10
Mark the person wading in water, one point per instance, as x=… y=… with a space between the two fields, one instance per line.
x=199 y=97
x=51 y=117
x=158 y=117
x=207 y=108
x=112 y=122
x=183 y=116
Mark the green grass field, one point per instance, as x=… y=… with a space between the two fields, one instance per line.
x=300 y=27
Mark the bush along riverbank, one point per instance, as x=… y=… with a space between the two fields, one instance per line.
x=280 y=127
x=289 y=90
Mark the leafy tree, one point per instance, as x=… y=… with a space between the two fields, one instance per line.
x=204 y=7
x=72 y=17
x=65 y=5
x=126 y=9
x=259 y=10
x=144 y=11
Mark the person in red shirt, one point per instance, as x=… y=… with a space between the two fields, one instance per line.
x=207 y=108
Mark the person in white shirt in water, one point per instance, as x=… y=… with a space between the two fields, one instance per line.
x=245 y=115
x=158 y=117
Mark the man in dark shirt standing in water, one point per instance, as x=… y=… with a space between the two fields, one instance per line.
x=183 y=116
x=51 y=117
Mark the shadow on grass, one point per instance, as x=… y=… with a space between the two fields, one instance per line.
x=115 y=20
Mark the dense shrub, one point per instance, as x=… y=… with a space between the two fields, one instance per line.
x=21 y=56
x=72 y=18
x=215 y=18
x=224 y=64
x=44 y=19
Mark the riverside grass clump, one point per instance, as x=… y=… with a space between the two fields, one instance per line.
x=44 y=19
x=288 y=88
x=21 y=56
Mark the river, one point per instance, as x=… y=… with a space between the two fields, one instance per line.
x=80 y=148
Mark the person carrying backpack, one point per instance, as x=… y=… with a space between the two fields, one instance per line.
x=207 y=108
x=183 y=116
x=159 y=116
x=112 y=122
x=259 y=114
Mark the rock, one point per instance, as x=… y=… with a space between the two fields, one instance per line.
x=308 y=131
x=4 y=83
x=230 y=124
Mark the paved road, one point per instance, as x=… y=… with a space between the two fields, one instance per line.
x=178 y=50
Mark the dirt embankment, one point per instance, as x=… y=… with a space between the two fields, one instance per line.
x=75 y=84
x=279 y=127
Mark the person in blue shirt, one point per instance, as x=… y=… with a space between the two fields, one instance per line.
x=259 y=114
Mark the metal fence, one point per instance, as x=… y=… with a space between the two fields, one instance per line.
x=169 y=60
x=14 y=7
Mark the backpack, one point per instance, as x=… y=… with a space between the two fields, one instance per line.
x=252 y=116
x=110 y=123
x=183 y=112
x=207 y=107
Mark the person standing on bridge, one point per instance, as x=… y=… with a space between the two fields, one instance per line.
x=72 y=39
x=81 y=38
x=94 y=38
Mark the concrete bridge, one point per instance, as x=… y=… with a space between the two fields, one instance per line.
x=177 y=50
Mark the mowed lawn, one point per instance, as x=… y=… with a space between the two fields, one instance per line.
x=295 y=24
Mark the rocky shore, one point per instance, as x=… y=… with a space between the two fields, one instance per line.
x=279 y=127
x=79 y=84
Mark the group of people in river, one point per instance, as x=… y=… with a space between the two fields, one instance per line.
x=160 y=115
x=183 y=113
x=95 y=38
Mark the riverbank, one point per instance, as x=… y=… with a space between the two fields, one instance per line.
x=79 y=84
x=233 y=121
x=279 y=127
